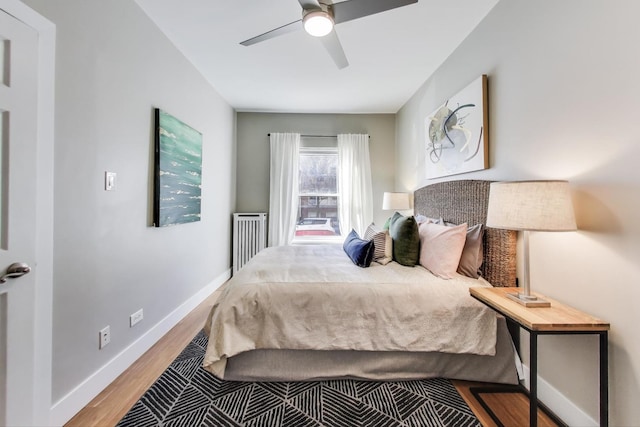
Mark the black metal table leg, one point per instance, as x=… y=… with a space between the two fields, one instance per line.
x=604 y=379
x=533 y=379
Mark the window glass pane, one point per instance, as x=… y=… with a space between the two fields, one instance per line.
x=318 y=189
x=318 y=173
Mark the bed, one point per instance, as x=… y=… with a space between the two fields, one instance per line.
x=308 y=313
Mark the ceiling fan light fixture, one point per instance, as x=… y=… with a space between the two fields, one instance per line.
x=318 y=23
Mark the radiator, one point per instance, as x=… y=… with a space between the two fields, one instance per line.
x=249 y=237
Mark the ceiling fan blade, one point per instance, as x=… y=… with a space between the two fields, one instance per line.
x=354 y=9
x=309 y=4
x=288 y=28
x=332 y=45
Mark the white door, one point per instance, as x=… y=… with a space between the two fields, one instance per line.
x=18 y=135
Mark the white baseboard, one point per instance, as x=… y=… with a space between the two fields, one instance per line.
x=559 y=404
x=63 y=410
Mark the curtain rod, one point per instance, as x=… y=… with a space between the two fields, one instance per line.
x=317 y=136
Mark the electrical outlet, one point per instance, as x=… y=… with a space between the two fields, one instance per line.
x=135 y=318
x=105 y=336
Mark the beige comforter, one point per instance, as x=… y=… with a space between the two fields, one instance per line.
x=314 y=297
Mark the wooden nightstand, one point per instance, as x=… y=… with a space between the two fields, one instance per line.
x=555 y=320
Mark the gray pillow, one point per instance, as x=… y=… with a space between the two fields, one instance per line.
x=473 y=252
x=406 y=239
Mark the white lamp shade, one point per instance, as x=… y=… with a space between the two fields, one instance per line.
x=318 y=23
x=396 y=201
x=531 y=205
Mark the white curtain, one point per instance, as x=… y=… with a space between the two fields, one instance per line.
x=355 y=206
x=283 y=188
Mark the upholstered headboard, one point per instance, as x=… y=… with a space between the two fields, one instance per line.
x=467 y=201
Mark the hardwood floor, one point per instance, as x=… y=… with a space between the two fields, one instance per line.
x=511 y=408
x=115 y=401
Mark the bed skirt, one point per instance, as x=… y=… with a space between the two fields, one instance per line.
x=312 y=365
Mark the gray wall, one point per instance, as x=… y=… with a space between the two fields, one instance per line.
x=113 y=65
x=563 y=95
x=253 y=151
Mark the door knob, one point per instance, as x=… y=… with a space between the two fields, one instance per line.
x=17 y=269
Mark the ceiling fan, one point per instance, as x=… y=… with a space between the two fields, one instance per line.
x=319 y=18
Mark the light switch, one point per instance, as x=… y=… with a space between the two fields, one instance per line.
x=109 y=181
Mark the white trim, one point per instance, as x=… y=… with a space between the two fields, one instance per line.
x=44 y=204
x=44 y=227
x=561 y=406
x=63 y=410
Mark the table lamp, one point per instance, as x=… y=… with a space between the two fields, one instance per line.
x=395 y=201
x=530 y=206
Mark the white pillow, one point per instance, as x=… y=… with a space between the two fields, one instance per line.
x=420 y=219
x=382 y=243
x=441 y=248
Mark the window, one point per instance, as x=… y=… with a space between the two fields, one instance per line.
x=318 y=194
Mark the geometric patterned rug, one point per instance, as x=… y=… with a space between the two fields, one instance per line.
x=187 y=395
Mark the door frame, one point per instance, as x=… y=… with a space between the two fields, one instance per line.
x=44 y=206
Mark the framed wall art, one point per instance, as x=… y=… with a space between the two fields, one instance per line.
x=178 y=171
x=457 y=138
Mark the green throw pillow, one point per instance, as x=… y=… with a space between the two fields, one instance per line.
x=406 y=239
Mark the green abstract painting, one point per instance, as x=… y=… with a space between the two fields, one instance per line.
x=178 y=171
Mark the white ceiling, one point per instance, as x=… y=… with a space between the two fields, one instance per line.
x=391 y=54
